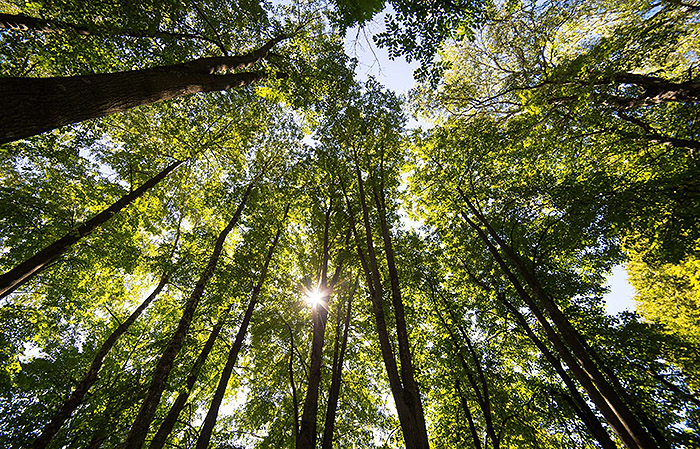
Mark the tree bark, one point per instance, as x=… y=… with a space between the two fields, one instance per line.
x=139 y=428
x=170 y=420
x=406 y=396
x=336 y=377
x=36 y=105
x=35 y=264
x=78 y=394
x=470 y=420
x=582 y=408
x=213 y=412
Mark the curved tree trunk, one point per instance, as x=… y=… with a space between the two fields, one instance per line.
x=139 y=428
x=35 y=105
x=78 y=394
x=35 y=264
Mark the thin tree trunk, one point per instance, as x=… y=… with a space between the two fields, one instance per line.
x=582 y=408
x=36 y=105
x=35 y=264
x=470 y=420
x=406 y=397
x=212 y=414
x=295 y=403
x=27 y=23
x=336 y=377
x=139 y=428
x=306 y=438
x=611 y=404
x=170 y=420
x=78 y=394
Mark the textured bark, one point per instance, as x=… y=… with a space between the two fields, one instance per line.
x=336 y=377
x=213 y=412
x=78 y=394
x=139 y=428
x=35 y=264
x=36 y=105
x=657 y=90
x=567 y=341
x=170 y=420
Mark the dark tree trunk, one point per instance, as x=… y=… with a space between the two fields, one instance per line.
x=78 y=394
x=404 y=391
x=35 y=264
x=171 y=419
x=212 y=414
x=139 y=428
x=336 y=377
x=568 y=342
x=468 y=413
x=306 y=438
x=657 y=90
x=35 y=105
x=581 y=408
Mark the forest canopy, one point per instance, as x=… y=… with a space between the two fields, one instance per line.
x=214 y=235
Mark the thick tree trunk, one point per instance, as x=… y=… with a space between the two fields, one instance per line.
x=78 y=394
x=36 y=105
x=170 y=420
x=139 y=428
x=336 y=376
x=35 y=264
x=610 y=403
x=213 y=412
x=656 y=90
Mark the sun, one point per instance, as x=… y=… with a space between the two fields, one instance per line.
x=313 y=297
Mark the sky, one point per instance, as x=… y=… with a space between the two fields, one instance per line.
x=397 y=75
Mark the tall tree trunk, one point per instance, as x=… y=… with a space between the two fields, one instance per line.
x=418 y=430
x=406 y=397
x=611 y=404
x=306 y=438
x=470 y=419
x=336 y=376
x=139 y=428
x=38 y=262
x=28 y=23
x=582 y=409
x=212 y=414
x=170 y=420
x=36 y=105
x=78 y=394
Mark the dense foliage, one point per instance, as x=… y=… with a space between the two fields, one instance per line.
x=216 y=237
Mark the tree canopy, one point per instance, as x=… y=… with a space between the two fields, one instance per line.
x=214 y=235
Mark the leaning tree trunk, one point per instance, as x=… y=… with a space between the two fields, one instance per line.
x=213 y=412
x=35 y=264
x=171 y=419
x=141 y=424
x=35 y=105
x=567 y=342
x=78 y=394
